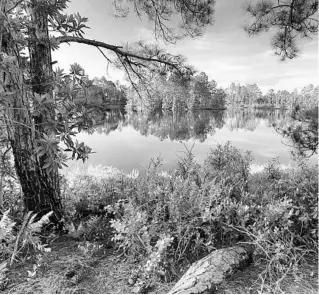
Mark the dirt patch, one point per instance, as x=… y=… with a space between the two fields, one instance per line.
x=67 y=269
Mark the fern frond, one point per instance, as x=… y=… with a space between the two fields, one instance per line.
x=32 y=228
x=36 y=227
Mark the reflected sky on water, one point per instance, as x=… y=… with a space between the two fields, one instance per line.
x=129 y=141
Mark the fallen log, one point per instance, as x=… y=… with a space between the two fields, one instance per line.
x=204 y=275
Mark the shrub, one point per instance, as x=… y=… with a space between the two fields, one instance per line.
x=88 y=192
x=195 y=209
x=284 y=226
x=296 y=190
x=228 y=164
x=190 y=204
x=132 y=232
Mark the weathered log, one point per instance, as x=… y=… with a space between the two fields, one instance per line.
x=204 y=275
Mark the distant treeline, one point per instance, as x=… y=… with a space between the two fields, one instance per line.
x=251 y=96
x=175 y=93
x=198 y=92
x=194 y=92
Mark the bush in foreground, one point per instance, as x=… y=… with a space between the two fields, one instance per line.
x=172 y=219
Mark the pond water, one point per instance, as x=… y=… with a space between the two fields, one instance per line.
x=129 y=141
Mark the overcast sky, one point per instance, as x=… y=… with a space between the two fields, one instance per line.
x=224 y=52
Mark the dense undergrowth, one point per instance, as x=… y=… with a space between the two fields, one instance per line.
x=165 y=220
x=171 y=219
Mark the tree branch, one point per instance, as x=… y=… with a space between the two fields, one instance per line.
x=116 y=49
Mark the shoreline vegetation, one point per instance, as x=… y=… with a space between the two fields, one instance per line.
x=163 y=221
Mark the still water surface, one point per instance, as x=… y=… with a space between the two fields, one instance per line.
x=129 y=141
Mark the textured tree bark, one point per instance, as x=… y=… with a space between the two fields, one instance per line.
x=42 y=83
x=39 y=193
x=206 y=274
x=40 y=188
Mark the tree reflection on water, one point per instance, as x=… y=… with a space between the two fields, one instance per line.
x=196 y=125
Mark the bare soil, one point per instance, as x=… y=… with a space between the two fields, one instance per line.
x=67 y=269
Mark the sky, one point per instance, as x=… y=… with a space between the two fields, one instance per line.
x=225 y=52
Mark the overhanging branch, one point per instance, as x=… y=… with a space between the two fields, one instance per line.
x=118 y=50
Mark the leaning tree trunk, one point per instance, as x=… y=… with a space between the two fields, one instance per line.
x=40 y=187
x=205 y=275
